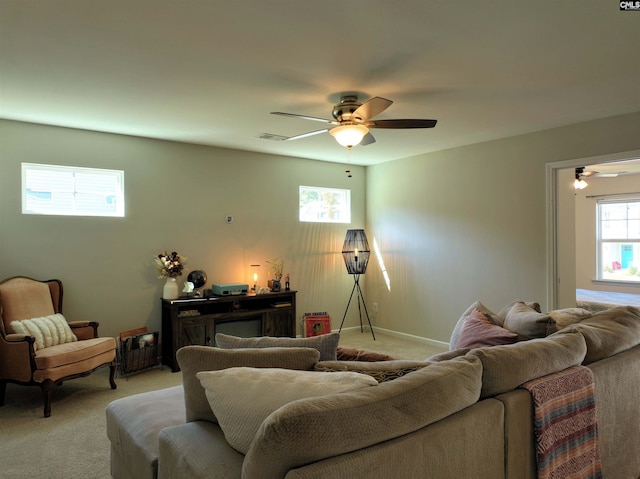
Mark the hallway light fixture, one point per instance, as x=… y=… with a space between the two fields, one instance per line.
x=579 y=183
x=349 y=135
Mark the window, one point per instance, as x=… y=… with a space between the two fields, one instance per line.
x=325 y=205
x=619 y=240
x=72 y=191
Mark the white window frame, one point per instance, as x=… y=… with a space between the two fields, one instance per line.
x=62 y=190
x=601 y=242
x=323 y=211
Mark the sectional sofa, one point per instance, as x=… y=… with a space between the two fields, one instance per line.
x=463 y=414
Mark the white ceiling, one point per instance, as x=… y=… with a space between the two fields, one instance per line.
x=211 y=71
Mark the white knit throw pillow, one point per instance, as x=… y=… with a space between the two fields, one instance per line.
x=47 y=331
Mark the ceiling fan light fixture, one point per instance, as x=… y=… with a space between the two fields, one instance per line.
x=580 y=184
x=349 y=135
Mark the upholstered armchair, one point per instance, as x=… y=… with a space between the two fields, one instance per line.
x=38 y=346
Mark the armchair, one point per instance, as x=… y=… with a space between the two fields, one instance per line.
x=37 y=359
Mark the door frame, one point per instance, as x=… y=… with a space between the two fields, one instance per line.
x=552 y=169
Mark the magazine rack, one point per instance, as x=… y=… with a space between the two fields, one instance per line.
x=138 y=350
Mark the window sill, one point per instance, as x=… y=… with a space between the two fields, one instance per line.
x=613 y=282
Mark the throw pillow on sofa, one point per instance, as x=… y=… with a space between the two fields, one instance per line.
x=479 y=332
x=502 y=314
x=381 y=371
x=528 y=322
x=327 y=344
x=453 y=341
x=242 y=398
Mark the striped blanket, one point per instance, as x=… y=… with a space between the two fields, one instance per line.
x=565 y=425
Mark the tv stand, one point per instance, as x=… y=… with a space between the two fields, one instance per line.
x=195 y=321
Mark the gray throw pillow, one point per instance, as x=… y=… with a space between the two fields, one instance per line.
x=528 y=322
x=326 y=344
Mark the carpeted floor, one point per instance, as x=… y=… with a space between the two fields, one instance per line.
x=73 y=443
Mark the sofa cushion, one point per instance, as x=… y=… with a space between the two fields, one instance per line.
x=326 y=344
x=381 y=371
x=133 y=426
x=193 y=359
x=565 y=317
x=528 y=322
x=608 y=332
x=477 y=305
x=47 y=330
x=506 y=367
x=478 y=332
x=77 y=352
x=197 y=450
x=241 y=398
x=330 y=425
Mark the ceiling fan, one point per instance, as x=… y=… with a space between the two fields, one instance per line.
x=353 y=120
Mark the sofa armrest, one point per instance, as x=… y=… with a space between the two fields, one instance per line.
x=84 y=329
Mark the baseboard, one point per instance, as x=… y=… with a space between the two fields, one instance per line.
x=397 y=334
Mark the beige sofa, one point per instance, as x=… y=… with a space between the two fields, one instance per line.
x=455 y=418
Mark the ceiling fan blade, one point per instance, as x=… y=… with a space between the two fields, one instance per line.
x=370 y=108
x=367 y=139
x=304 y=117
x=304 y=135
x=397 y=124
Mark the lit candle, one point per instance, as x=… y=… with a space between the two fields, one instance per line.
x=356 y=254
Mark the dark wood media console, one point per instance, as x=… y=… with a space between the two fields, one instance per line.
x=195 y=321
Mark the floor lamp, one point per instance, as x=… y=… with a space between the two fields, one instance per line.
x=355 y=252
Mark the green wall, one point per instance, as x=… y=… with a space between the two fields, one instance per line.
x=469 y=223
x=177 y=197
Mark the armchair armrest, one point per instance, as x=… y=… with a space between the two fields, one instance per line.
x=84 y=329
x=17 y=357
x=15 y=338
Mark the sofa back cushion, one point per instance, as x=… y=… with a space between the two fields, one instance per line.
x=326 y=344
x=312 y=429
x=193 y=359
x=608 y=332
x=506 y=367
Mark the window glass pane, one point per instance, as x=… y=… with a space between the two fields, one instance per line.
x=620 y=261
x=634 y=211
x=613 y=211
x=634 y=229
x=616 y=229
x=324 y=205
x=67 y=190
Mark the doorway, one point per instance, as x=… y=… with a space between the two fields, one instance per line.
x=561 y=227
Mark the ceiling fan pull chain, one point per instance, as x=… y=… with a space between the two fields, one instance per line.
x=348 y=170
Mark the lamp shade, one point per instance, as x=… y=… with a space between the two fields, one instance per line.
x=349 y=135
x=355 y=251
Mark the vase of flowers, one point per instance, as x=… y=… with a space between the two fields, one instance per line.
x=169 y=267
x=276 y=267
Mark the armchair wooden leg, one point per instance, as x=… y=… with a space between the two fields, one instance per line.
x=3 y=392
x=112 y=374
x=47 y=387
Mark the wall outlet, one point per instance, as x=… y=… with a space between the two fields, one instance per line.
x=375 y=307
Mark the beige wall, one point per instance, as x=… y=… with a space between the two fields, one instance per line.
x=470 y=223
x=177 y=197
x=586 y=227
